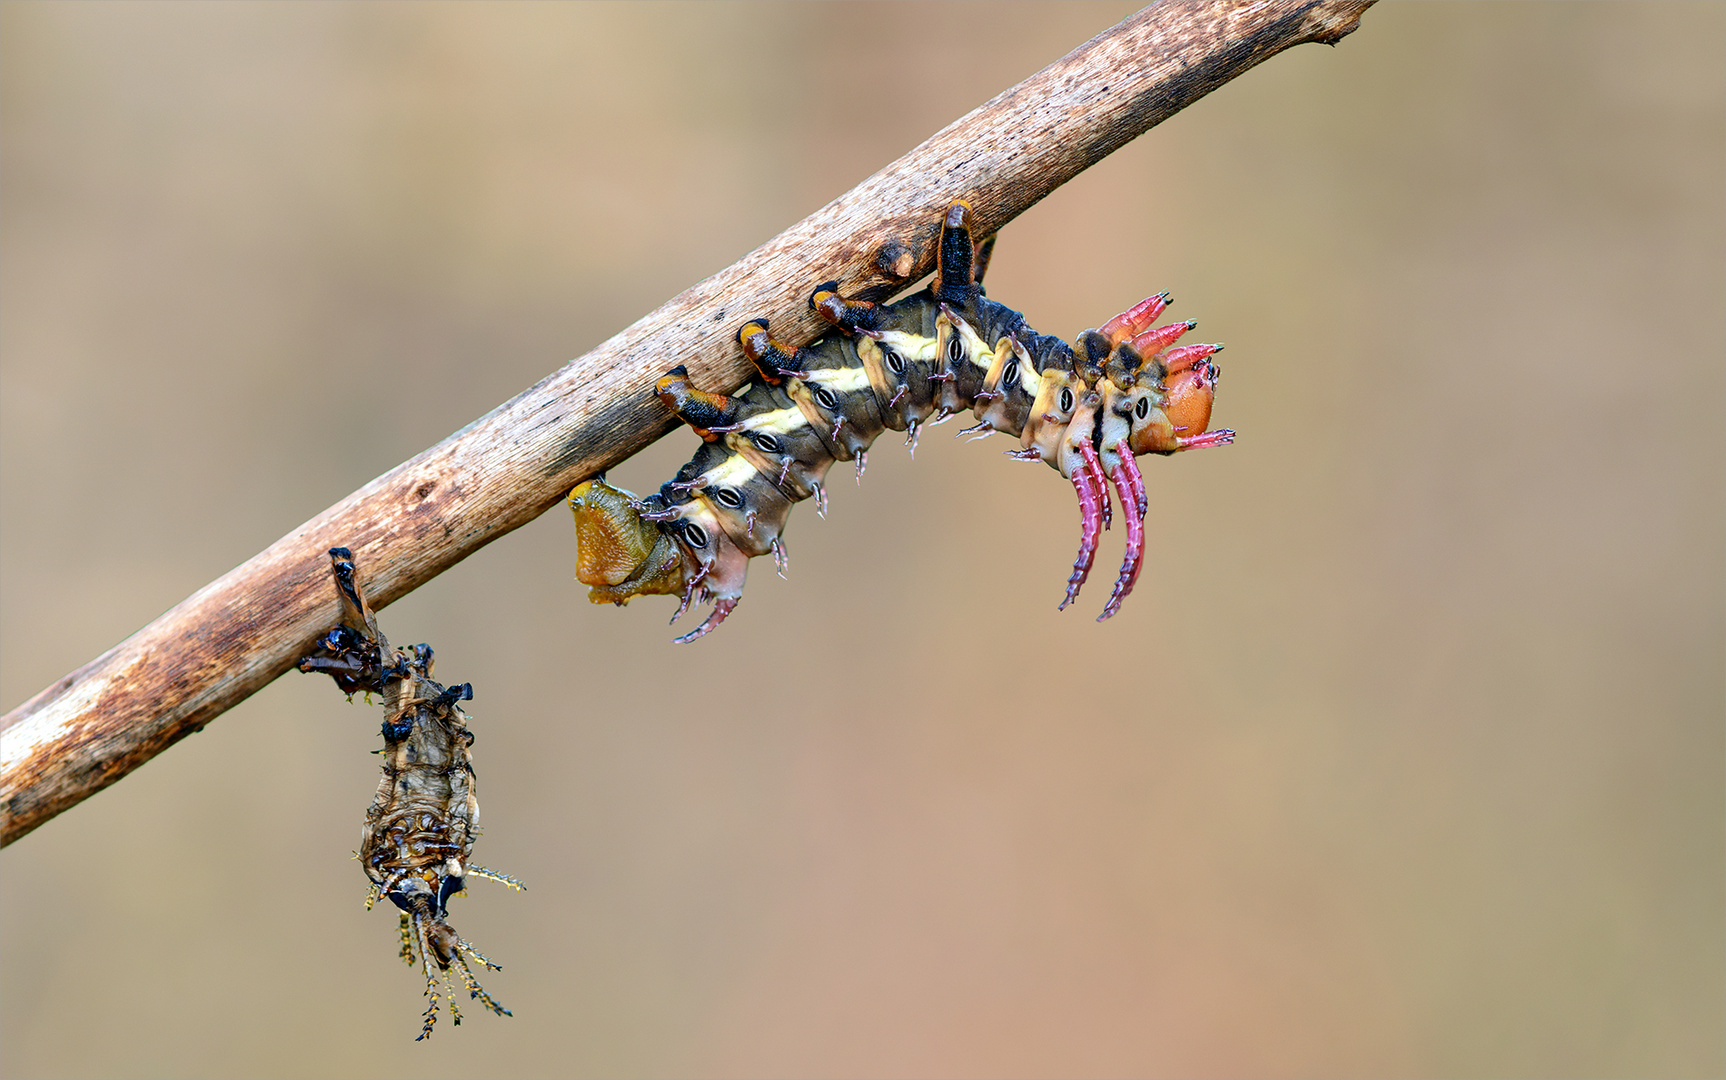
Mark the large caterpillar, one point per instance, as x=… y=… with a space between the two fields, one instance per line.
x=1085 y=410
x=421 y=826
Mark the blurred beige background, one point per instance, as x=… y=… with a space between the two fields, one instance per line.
x=1407 y=759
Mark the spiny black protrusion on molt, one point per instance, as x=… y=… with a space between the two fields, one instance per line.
x=1087 y=411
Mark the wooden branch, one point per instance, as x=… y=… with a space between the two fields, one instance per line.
x=238 y=633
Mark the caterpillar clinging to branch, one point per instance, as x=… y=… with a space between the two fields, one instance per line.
x=1085 y=410
x=421 y=827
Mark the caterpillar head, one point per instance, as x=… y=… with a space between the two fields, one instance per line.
x=1190 y=395
x=1181 y=418
x=618 y=554
x=1165 y=391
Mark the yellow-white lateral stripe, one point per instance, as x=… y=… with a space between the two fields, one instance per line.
x=841 y=380
x=979 y=352
x=779 y=421
x=1028 y=376
x=910 y=346
x=734 y=471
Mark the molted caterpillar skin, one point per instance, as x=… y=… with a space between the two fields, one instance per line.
x=421 y=827
x=1086 y=410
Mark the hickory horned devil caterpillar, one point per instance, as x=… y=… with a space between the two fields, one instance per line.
x=1085 y=410
x=421 y=827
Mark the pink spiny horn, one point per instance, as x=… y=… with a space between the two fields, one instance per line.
x=1098 y=481
x=1091 y=528
x=1135 y=319
x=1155 y=341
x=1135 y=557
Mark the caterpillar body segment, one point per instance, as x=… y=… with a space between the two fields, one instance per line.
x=420 y=829
x=1086 y=410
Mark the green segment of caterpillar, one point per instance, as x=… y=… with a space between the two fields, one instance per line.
x=1086 y=410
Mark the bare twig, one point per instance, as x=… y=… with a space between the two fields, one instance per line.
x=236 y=634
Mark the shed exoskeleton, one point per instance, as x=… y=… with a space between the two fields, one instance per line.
x=420 y=829
x=1086 y=410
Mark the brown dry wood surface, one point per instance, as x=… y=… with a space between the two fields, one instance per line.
x=236 y=634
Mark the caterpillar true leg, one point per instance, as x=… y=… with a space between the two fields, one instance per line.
x=1085 y=410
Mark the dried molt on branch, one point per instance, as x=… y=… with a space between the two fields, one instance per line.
x=1086 y=410
x=421 y=827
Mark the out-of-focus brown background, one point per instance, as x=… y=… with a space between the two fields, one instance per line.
x=1405 y=760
